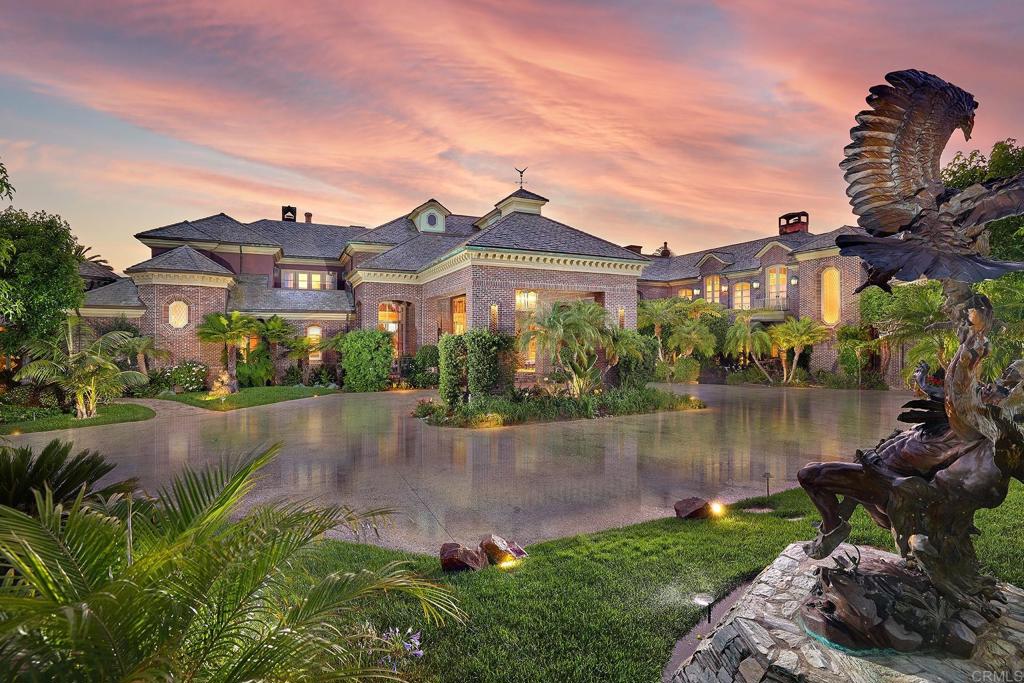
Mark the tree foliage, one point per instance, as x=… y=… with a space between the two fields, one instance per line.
x=490 y=362
x=41 y=274
x=571 y=335
x=231 y=330
x=452 y=384
x=797 y=335
x=746 y=339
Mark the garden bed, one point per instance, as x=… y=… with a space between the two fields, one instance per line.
x=610 y=606
x=21 y=420
x=247 y=398
x=526 y=407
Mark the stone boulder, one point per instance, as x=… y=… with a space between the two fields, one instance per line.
x=456 y=557
x=497 y=549
x=693 y=508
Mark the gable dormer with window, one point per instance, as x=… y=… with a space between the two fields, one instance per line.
x=429 y=216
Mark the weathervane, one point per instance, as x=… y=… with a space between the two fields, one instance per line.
x=521 y=171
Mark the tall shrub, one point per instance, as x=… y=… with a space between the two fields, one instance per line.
x=635 y=372
x=366 y=359
x=489 y=362
x=452 y=381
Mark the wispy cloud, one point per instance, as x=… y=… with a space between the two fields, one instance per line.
x=687 y=122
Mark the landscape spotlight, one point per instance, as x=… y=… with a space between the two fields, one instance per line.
x=717 y=508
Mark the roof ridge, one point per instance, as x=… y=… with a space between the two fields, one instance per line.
x=564 y=225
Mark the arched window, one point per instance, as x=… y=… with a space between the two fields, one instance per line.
x=177 y=314
x=830 y=296
x=314 y=333
x=741 y=296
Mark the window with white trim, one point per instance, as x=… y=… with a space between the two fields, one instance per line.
x=309 y=279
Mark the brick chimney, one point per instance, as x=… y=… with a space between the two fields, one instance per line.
x=309 y=216
x=635 y=248
x=663 y=250
x=797 y=221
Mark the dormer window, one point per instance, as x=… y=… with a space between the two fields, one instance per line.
x=429 y=216
x=432 y=219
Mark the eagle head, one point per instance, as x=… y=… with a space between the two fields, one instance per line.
x=967 y=125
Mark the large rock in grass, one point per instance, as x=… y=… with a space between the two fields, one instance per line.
x=497 y=549
x=693 y=508
x=456 y=557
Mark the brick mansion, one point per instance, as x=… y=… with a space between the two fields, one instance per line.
x=432 y=271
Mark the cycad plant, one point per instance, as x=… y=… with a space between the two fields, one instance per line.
x=140 y=349
x=232 y=330
x=171 y=588
x=85 y=374
x=748 y=339
x=796 y=334
x=24 y=473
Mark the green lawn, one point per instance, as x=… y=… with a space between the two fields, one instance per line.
x=108 y=414
x=247 y=398
x=610 y=606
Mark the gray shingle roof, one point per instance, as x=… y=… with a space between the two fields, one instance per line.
x=402 y=229
x=251 y=294
x=415 y=254
x=310 y=240
x=524 y=194
x=120 y=294
x=738 y=257
x=183 y=259
x=533 y=232
x=217 y=228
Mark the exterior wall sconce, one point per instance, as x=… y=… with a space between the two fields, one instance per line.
x=725 y=288
x=696 y=291
x=794 y=280
x=755 y=284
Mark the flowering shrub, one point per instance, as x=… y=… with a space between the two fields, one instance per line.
x=190 y=375
x=400 y=648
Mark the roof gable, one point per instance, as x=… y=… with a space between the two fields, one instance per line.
x=183 y=259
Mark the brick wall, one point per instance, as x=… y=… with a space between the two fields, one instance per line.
x=851 y=275
x=182 y=344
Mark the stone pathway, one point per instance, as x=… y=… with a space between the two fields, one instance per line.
x=761 y=640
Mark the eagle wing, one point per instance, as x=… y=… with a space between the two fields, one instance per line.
x=980 y=203
x=892 y=166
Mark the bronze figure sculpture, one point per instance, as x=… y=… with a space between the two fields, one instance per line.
x=925 y=483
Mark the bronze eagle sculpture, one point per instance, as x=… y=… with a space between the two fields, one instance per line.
x=916 y=226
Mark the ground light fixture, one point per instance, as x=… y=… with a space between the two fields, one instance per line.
x=717 y=508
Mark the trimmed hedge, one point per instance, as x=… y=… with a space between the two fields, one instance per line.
x=366 y=357
x=490 y=362
x=452 y=380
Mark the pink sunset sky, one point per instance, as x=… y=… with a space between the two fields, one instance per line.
x=696 y=123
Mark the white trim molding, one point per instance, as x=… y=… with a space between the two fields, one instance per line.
x=705 y=257
x=224 y=248
x=774 y=243
x=302 y=315
x=194 y=279
x=111 y=312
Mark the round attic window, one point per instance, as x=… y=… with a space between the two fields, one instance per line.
x=432 y=219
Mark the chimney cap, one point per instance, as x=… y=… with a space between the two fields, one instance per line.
x=794 y=221
x=309 y=216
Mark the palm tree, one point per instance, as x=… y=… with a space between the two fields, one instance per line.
x=796 y=335
x=23 y=473
x=571 y=335
x=141 y=348
x=232 y=330
x=82 y=254
x=299 y=349
x=748 y=339
x=915 y=317
x=689 y=337
x=658 y=313
x=187 y=587
x=333 y=344
x=84 y=374
x=695 y=308
x=276 y=331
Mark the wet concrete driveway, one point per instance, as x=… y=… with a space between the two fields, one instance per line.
x=527 y=483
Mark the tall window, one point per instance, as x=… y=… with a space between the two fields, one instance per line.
x=686 y=292
x=314 y=334
x=741 y=296
x=177 y=314
x=526 y=301
x=389 y=320
x=314 y=279
x=458 y=315
x=713 y=289
x=830 y=296
x=526 y=304
x=777 y=287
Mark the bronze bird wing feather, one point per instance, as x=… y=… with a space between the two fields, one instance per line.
x=915 y=226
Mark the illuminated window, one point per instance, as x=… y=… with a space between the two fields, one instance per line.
x=389 y=320
x=177 y=314
x=313 y=335
x=459 y=315
x=298 y=279
x=686 y=292
x=830 y=291
x=494 y=317
x=622 y=318
x=741 y=296
x=713 y=289
x=777 y=287
x=526 y=301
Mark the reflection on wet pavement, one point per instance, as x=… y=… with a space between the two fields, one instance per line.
x=527 y=483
